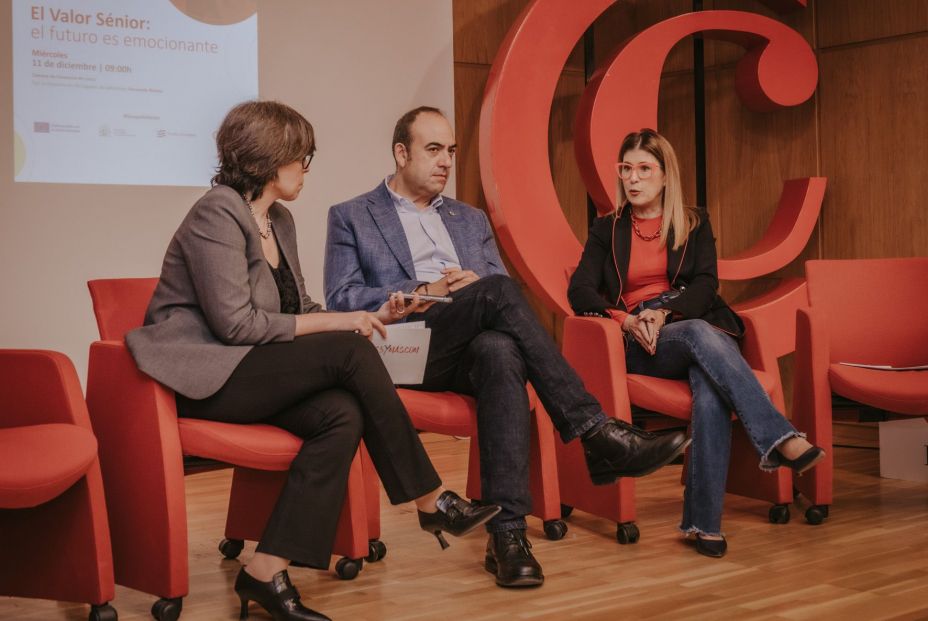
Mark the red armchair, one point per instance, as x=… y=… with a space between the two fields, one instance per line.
x=450 y=413
x=867 y=311
x=53 y=523
x=594 y=347
x=142 y=443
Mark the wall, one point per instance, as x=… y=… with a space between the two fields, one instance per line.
x=866 y=129
x=351 y=67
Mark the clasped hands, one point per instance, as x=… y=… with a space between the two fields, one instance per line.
x=645 y=327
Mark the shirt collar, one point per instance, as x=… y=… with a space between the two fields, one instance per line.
x=404 y=204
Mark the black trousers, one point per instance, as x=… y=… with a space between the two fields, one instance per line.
x=332 y=390
x=487 y=343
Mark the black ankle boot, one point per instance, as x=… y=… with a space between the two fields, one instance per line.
x=278 y=597
x=618 y=449
x=455 y=516
x=509 y=558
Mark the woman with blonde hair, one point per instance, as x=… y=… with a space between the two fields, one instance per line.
x=651 y=266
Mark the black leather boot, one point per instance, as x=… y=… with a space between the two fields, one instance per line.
x=455 y=516
x=509 y=558
x=618 y=449
x=278 y=597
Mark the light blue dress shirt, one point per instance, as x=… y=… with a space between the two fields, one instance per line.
x=429 y=241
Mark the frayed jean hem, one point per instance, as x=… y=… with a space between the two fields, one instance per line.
x=694 y=530
x=769 y=461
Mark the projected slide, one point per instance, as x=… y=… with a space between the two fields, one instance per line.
x=127 y=91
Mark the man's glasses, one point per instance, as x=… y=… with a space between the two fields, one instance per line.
x=307 y=160
x=644 y=169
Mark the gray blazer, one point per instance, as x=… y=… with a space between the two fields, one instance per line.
x=216 y=297
x=367 y=255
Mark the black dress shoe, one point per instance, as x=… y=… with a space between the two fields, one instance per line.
x=509 y=558
x=809 y=458
x=618 y=449
x=278 y=597
x=716 y=548
x=455 y=516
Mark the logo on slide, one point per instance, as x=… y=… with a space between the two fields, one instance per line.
x=41 y=127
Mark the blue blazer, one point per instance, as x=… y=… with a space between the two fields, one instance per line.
x=367 y=255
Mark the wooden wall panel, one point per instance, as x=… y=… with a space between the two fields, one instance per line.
x=469 y=83
x=874 y=102
x=866 y=129
x=852 y=21
x=571 y=191
x=629 y=17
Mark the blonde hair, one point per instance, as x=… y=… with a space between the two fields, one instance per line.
x=678 y=218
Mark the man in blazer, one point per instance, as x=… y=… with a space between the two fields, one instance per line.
x=404 y=235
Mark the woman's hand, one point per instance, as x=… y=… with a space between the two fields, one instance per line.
x=395 y=308
x=645 y=328
x=362 y=322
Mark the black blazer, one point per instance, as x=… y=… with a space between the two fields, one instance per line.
x=597 y=284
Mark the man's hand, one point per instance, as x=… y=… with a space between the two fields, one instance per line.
x=395 y=308
x=457 y=278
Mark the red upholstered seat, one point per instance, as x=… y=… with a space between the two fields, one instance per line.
x=595 y=348
x=39 y=462
x=840 y=325
x=53 y=520
x=454 y=414
x=673 y=397
x=903 y=392
x=262 y=447
x=142 y=444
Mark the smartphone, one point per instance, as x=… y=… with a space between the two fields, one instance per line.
x=428 y=298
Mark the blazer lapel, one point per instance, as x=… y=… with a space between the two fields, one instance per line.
x=458 y=231
x=388 y=221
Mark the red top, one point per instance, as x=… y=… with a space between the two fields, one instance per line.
x=647 y=268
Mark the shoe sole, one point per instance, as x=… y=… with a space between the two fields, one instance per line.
x=489 y=563
x=612 y=477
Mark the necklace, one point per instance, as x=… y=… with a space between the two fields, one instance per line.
x=646 y=238
x=267 y=220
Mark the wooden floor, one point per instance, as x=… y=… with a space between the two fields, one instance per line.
x=868 y=561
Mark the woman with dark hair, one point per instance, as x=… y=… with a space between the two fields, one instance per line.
x=232 y=331
x=651 y=266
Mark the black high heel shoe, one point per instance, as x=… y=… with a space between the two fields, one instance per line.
x=455 y=516
x=805 y=461
x=716 y=548
x=279 y=597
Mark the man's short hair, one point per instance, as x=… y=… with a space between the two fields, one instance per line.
x=401 y=131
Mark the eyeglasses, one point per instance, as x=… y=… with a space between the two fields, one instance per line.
x=644 y=169
x=307 y=160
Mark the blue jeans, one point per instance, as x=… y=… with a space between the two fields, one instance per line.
x=721 y=382
x=487 y=343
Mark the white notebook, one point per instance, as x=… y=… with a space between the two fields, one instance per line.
x=405 y=351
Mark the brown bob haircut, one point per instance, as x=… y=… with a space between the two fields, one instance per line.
x=255 y=139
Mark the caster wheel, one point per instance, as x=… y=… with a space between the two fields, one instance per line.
x=778 y=514
x=816 y=514
x=555 y=529
x=167 y=609
x=627 y=533
x=348 y=568
x=231 y=548
x=376 y=550
x=566 y=510
x=104 y=612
